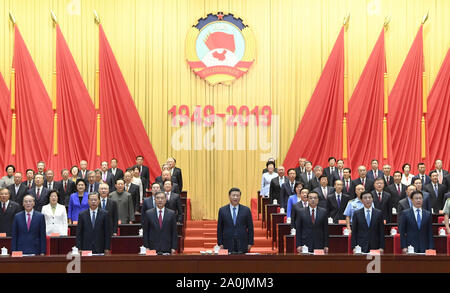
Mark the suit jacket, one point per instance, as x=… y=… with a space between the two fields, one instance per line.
x=25 y=183
x=55 y=185
x=425 y=180
x=350 y=190
x=446 y=181
x=444 y=172
x=147 y=205
x=331 y=175
x=179 y=177
x=313 y=183
x=333 y=210
x=75 y=207
x=421 y=239
x=322 y=199
x=162 y=239
x=145 y=177
x=55 y=223
x=64 y=194
x=395 y=197
x=97 y=238
x=337 y=177
x=243 y=231
x=387 y=182
x=368 y=185
x=175 y=187
x=368 y=237
x=111 y=208
x=315 y=236
x=371 y=175
x=109 y=180
x=436 y=200
x=286 y=191
x=385 y=205
x=125 y=206
x=80 y=175
x=96 y=185
x=135 y=195
x=42 y=200
x=7 y=217
x=402 y=206
x=18 y=197
x=174 y=204
x=31 y=241
x=275 y=188
x=304 y=178
x=298 y=172
x=119 y=174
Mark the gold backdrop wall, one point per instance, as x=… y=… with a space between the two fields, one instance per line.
x=293 y=40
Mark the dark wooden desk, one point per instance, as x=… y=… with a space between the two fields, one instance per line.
x=289 y=244
x=282 y=230
x=270 y=209
x=128 y=229
x=264 y=202
x=277 y=218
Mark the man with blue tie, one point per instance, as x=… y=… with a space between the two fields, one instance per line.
x=235 y=225
x=436 y=191
x=416 y=226
x=149 y=203
x=422 y=176
x=28 y=231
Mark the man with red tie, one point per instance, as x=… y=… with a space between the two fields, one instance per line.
x=397 y=189
x=160 y=227
x=66 y=187
x=347 y=180
x=366 y=182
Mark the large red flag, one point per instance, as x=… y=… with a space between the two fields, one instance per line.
x=122 y=133
x=5 y=100
x=33 y=109
x=76 y=113
x=439 y=116
x=405 y=109
x=319 y=134
x=366 y=110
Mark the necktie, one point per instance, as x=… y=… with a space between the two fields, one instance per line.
x=368 y=218
x=363 y=182
x=419 y=220
x=421 y=177
x=92 y=188
x=28 y=221
x=4 y=207
x=440 y=177
x=160 y=219
x=292 y=187
x=313 y=219
x=340 y=175
x=398 y=189
x=234 y=216
x=167 y=195
x=103 y=204
x=375 y=174
x=346 y=185
x=339 y=200
x=309 y=177
x=324 y=191
x=65 y=186
x=305 y=204
x=379 y=196
x=436 y=190
x=93 y=219
x=29 y=184
x=38 y=194
x=104 y=176
x=128 y=186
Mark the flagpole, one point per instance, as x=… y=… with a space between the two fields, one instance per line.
x=386 y=101
x=424 y=105
x=13 y=95
x=54 y=91
x=344 y=122
x=97 y=86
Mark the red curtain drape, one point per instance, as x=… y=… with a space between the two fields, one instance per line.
x=5 y=101
x=76 y=113
x=122 y=133
x=34 y=128
x=405 y=109
x=366 y=110
x=438 y=120
x=319 y=134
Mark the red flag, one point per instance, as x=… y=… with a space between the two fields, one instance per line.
x=319 y=134
x=122 y=133
x=34 y=127
x=76 y=113
x=5 y=100
x=366 y=110
x=438 y=120
x=405 y=109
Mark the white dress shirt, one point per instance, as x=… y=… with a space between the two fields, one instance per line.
x=55 y=223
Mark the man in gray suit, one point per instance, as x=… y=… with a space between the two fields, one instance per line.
x=125 y=207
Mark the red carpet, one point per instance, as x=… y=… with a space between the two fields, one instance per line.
x=202 y=236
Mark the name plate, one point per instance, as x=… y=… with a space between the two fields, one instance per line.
x=150 y=252
x=375 y=252
x=223 y=252
x=17 y=254
x=86 y=253
x=54 y=235
x=430 y=252
x=342 y=222
x=2 y=234
x=319 y=252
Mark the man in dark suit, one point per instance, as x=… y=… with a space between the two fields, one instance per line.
x=94 y=228
x=235 y=225
x=388 y=179
x=349 y=187
x=301 y=168
x=362 y=179
x=143 y=170
x=323 y=191
x=8 y=209
x=28 y=230
x=49 y=180
x=315 y=181
x=173 y=201
x=374 y=173
x=132 y=189
x=416 y=226
x=426 y=195
x=276 y=183
x=83 y=173
x=382 y=200
x=311 y=225
x=367 y=226
x=165 y=175
x=397 y=189
x=331 y=170
x=287 y=189
x=339 y=174
x=18 y=190
x=175 y=172
x=160 y=227
x=91 y=184
x=422 y=176
x=149 y=203
x=109 y=206
x=337 y=202
x=117 y=173
x=39 y=192
x=437 y=192
x=107 y=177
x=405 y=203
x=441 y=172
x=446 y=182
x=29 y=183
x=66 y=188
x=306 y=176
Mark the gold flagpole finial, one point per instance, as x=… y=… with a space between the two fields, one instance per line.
x=425 y=17
x=387 y=20
x=55 y=20
x=96 y=18
x=12 y=18
x=346 y=20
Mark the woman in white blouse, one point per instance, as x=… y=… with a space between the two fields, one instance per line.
x=266 y=179
x=406 y=176
x=137 y=180
x=55 y=215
